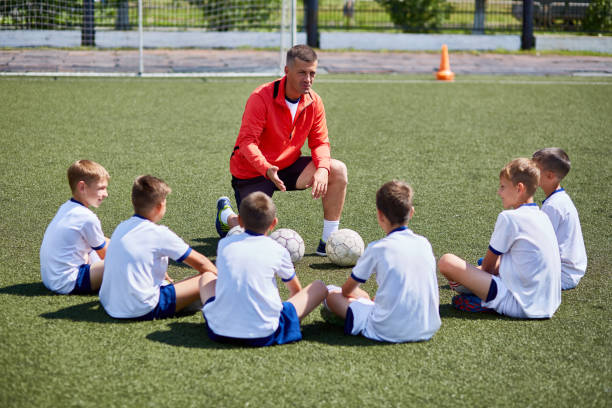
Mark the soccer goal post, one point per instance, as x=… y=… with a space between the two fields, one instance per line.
x=154 y=37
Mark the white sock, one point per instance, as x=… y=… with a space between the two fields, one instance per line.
x=225 y=214
x=328 y=228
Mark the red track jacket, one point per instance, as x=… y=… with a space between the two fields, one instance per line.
x=268 y=136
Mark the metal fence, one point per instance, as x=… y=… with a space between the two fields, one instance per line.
x=464 y=16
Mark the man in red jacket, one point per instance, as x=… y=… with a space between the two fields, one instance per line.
x=278 y=118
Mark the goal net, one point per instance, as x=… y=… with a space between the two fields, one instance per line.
x=152 y=37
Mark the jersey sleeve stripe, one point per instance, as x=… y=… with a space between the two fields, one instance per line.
x=287 y=280
x=185 y=255
x=99 y=247
x=495 y=251
x=357 y=279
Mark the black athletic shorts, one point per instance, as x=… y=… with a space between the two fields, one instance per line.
x=289 y=176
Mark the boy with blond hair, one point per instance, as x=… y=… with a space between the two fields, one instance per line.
x=137 y=260
x=520 y=275
x=406 y=306
x=74 y=246
x=554 y=164
x=243 y=305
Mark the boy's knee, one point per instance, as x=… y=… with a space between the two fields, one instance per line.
x=444 y=262
x=320 y=287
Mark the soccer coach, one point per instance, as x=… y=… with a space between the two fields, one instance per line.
x=278 y=118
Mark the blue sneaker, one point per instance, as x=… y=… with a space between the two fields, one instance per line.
x=321 y=249
x=223 y=203
x=469 y=303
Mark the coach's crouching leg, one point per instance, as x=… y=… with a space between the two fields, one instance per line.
x=333 y=201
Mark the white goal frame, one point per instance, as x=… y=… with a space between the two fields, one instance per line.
x=142 y=39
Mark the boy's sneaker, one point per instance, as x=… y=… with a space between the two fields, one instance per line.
x=223 y=203
x=469 y=303
x=321 y=249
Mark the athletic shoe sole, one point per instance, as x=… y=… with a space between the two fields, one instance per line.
x=222 y=204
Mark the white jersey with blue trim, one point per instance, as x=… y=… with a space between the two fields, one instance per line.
x=247 y=302
x=136 y=264
x=72 y=234
x=564 y=218
x=406 y=307
x=530 y=265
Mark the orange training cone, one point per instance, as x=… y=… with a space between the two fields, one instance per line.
x=444 y=73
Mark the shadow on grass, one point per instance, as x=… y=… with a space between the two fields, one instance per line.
x=333 y=335
x=27 y=289
x=327 y=266
x=208 y=249
x=193 y=335
x=186 y=334
x=447 y=311
x=84 y=312
x=93 y=312
x=208 y=246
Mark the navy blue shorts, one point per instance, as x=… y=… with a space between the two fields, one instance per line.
x=288 y=330
x=165 y=307
x=289 y=176
x=82 y=285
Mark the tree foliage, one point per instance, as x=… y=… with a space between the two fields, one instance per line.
x=417 y=15
x=598 y=16
x=227 y=15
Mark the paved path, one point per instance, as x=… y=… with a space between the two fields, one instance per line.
x=203 y=61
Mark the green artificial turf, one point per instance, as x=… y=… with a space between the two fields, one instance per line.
x=448 y=140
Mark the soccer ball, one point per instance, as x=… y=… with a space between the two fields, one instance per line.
x=290 y=240
x=344 y=247
x=235 y=231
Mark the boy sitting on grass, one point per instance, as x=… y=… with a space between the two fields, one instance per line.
x=554 y=164
x=243 y=305
x=73 y=247
x=406 y=306
x=520 y=275
x=137 y=261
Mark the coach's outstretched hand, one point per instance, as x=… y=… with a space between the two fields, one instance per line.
x=272 y=174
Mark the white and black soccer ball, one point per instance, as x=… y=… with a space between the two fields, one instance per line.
x=291 y=240
x=235 y=231
x=344 y=247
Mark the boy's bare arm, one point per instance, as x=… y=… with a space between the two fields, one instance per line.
x=294 y=286
x=200 y=263
x=351 y=289
x=490 y=263
x=102 y=252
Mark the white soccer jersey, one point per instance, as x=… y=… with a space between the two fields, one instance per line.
x=564 y=218
x=72 y=234
x=135 y=266
x=407 y=301
x=247 y=304
x=530 y=265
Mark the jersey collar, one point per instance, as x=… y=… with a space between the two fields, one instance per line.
x=402 y=228
x=554 y=192
x=77 y=201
